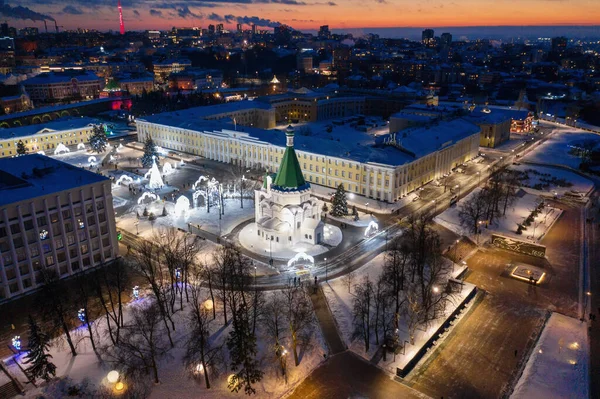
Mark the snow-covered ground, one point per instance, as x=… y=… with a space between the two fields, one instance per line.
x=360 y=201
x=558 y=365
x=175 y=380
x=537 y=173
x=341 y=303
x=251 y=241
x=507 y=225
x=363 y=219
x=556 y=149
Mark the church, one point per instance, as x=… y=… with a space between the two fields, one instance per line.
x=285 y=211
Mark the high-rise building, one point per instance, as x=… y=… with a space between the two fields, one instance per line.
x=211 y=29
x=220 y=29
x=446 y=40
x=324 y=32
x=283 y=34
x=427 y=37
x=559 y=44
x=54 y=217
x=121 y=24
x=239 y=28
x=4 y=29
x=254 y=31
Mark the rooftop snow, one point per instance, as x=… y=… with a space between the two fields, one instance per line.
x=197 y=113
x=35 y=175
x=60 y=77
x=58 y=125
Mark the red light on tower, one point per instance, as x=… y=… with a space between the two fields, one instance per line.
x=121 y=24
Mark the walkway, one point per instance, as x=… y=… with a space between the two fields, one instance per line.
x=326 y=321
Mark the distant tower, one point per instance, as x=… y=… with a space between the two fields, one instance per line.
x=121 y=24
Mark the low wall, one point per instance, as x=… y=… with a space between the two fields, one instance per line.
x=521 y=247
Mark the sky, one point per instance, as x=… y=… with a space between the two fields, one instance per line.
x=300 y=14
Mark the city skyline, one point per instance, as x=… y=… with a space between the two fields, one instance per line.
x=303 y=15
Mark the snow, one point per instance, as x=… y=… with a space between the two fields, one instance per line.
x=555 y=150
x=341 y=304
x=359 y=201
x=578 y=183
x=363 y=219
x=507 y=225
x=250 y=240
x=558 y=366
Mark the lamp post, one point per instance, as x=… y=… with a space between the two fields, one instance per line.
x=434 y=206
x=367 y=207
x=325 y=269
x=137 y=229
x=478 y=230
x=478 y=178
x=458 y=186
x=455 y=253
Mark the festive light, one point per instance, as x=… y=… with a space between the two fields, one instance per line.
x=136 y=292
x=16 y=342
x=43 y=234
x=92 y=159
x=208 y=304
x=199 y=368
x=155 y=177
x=112 y=376
x=178 y=273
x=372 y=228
x=182 y=205
x=81 y=315
x=119 y=386
x=61 y=148
x=81 y=146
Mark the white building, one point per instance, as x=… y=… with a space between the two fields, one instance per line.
x=52 y=215
x=285 y=211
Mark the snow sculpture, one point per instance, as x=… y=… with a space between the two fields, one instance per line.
x=91 y=159
x=61 y=149
x=182 y=205
x=81 y=146
x=200 y=180
x=301 y=258
x=156 y=181
x=146 y=195
x=371 y=229
x=41 y=152
x=124 y=180
x=198 y=193
x=167 y=168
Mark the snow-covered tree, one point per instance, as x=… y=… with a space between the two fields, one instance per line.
x=339 y=204
x=150 y=153
x=38 y=357
x=21 y=149
x=98 y=140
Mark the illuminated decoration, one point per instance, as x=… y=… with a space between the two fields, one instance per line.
x=119 y=236
x=230 y=379
x=112 y=159
x=119 y=386
x=199 y=368
x=112 y=376
x=41 y=152
x=16 y=342
x=156 y=181
x=120 y=147
x=199 y=181
x=299 y=258
x=514 y=245
x=371 y=229
x=275 y=81
x=61 y=149
x=161 y=150
x=208 y=304
x=528 y=273
x=81 y=315
x=124 y=180
x=43 y=234
x=167 y=168
x=92 y=159
x=81 y=224
x=178 y=273
x=81 y=146
x=182 y=205
x=146 y=195
x=196 y=195
x=136 y=292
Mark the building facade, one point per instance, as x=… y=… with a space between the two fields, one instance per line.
x=57 y=86
x=52 y=216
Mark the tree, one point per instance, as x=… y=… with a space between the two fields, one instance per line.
x=109 y=285
x=150 y=153
x=98 y=140
x=38 y=357
x=472 y=211
x=21 y=148
x=348 y=280
x=55 y=304
x=142 y=343
x=274 y=321
x=339 y=203
x=299 y=316
x=381 y=301
x=361 y=311
x=394 y=271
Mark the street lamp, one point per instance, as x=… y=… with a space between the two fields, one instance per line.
x=455 y=250
x=137 y=229
x=367 y=207
x=478 y=178
x=458 y=186
x=434 y=206
x=325 y=269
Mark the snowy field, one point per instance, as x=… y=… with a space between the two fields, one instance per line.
x=536 y=176
x=176 y=381
x=250 y=240
x=507 y=225
x=558 y=365
x=341 y=304
x=555 y=150
x=80 y=158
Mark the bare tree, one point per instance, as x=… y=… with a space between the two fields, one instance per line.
x=56 y=305
x=394 y=272
x=274 y=321
x=472 y=211
x=299 y=316
x=109 y=284
x=510 y=186
x=142 y=342
x=363 y=296
x=83 y=299
x=348 y=280
x=381 y=302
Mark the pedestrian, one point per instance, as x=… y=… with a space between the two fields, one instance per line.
x=294 y=281
x=315 y=280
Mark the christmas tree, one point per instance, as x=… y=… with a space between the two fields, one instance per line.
x=150 y=152
x=339 y=204
x=98 y=140
x=38 y=357
x=21 y=149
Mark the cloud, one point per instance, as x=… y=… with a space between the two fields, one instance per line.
x=156 y=13
x=136 y=13
x=184 y=12
x=258 y=21
x=20 y=12
x=72 y=10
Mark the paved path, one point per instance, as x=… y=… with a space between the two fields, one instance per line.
x=328 y=327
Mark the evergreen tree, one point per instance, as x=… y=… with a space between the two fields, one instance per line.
x=150 y=152
x=39 y=344
x=339 y=204
x=21 y=149
x=98 y=140
x=164 y=212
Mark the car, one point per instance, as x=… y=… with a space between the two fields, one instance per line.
x=416 y=198
x=453 y=200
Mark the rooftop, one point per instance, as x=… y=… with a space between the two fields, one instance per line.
x=61 y=77
x=54 y=126
x=188 y=116
x=35 y=175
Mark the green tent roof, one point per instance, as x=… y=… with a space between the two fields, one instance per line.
x=289 y=175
